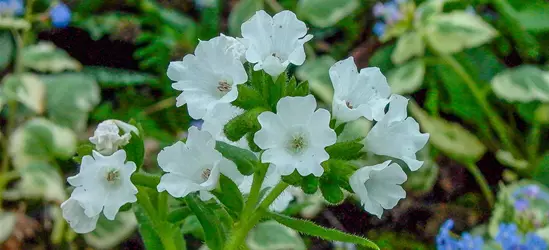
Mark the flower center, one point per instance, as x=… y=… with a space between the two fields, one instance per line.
x=112 y=176
x=297 y=143
x=349 y=105
x=206 y=174
x=223 y=87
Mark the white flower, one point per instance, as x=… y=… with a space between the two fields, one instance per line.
x=236 y=46
x=272 y=178
x=396 y=135
x=107 y=138
x=216 y=119
x=275 y=42
x=192 y=166
x=358 y=94
x=378 y=186
x=73 y=212
x=295 y=137
x=103 y=184
x=208 y=77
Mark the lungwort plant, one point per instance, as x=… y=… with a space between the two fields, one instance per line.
x=262 y=132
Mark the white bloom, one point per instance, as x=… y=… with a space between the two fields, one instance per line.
x=192 y=166
x=275 y=42
x=378 y=186
x=358 y=94
x=73 y=212
x=103 y=184
x=295 y=137
x=396 y=135
x=236 y=46
x=208 y=77
x=216 y=119
x=107 y=138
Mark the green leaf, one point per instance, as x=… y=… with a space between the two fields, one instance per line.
x=316 y=73
x=229 y=196
x=326 y=13
x=7 y=48
x=7 y=220
x=458 y=30
x=83 y=150
x=426 y=10
x=347 y=150
x=309 y=184
x=241 y=12
x=27 y=89
x=46 y=57
x=507 y=159
x=245 y=160
x=99 y=25
x=522 y=84
x=114 y=77
x=7 y=23
x=534 y=18
x=407 y=78
x=209 y=19
x=451 y=138
x=39 y=180
x=110 y=233
x=249 y=98
x=40 y=140
x=150 y=238
x=213 y=232
x=271 y=235
x=382 y=58
x=410 y=44
x=245 y=123
x=331 y=191
x=178 y=215
x=310 y=228
x=135 y=150
x=541 y=173
x=74 y=90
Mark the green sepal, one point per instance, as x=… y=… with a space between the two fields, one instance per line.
x=330 y=190
x=83 y=150
x=245 y=160
x=214 y=234
x=310 y=228
x=135 y=150
x=249 y=98
x=251 y=143
x=339 y=171
x=302 y=89
x=277 y=90
x=229 y=195
x=260 y=81
x=293 y=179
x=309 y=184
x=348 y=150
x=245 y=123
x=339 y=129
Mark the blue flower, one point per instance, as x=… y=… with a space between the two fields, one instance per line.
x=11 y=7
x=469 y=242
x=444 y=240
x=508 y=236
x=378 y=9
x=379 y=29
x=534 y=242
x=60 y=15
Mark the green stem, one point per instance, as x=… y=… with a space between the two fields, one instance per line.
x=493 y=117
x=241 y=232
x=484 y=187
x=145 y=179
x=253 y=197
x=163 y=205
x=533 y=142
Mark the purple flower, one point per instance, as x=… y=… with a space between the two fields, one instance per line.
x=379 y=29
x=378 y=9
x=392 y=12
x=469 y=242
x=532 y=191
x=521 y=205
x=11 y=7
x=60 y=15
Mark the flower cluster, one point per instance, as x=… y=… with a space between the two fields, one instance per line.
x=528 y=194
x=508 y=238
x=11 y=7
x=387 y=14
x=103 y=183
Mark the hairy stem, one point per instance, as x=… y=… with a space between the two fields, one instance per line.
x=240 y=233
x=253 y=197
x=484 y=187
